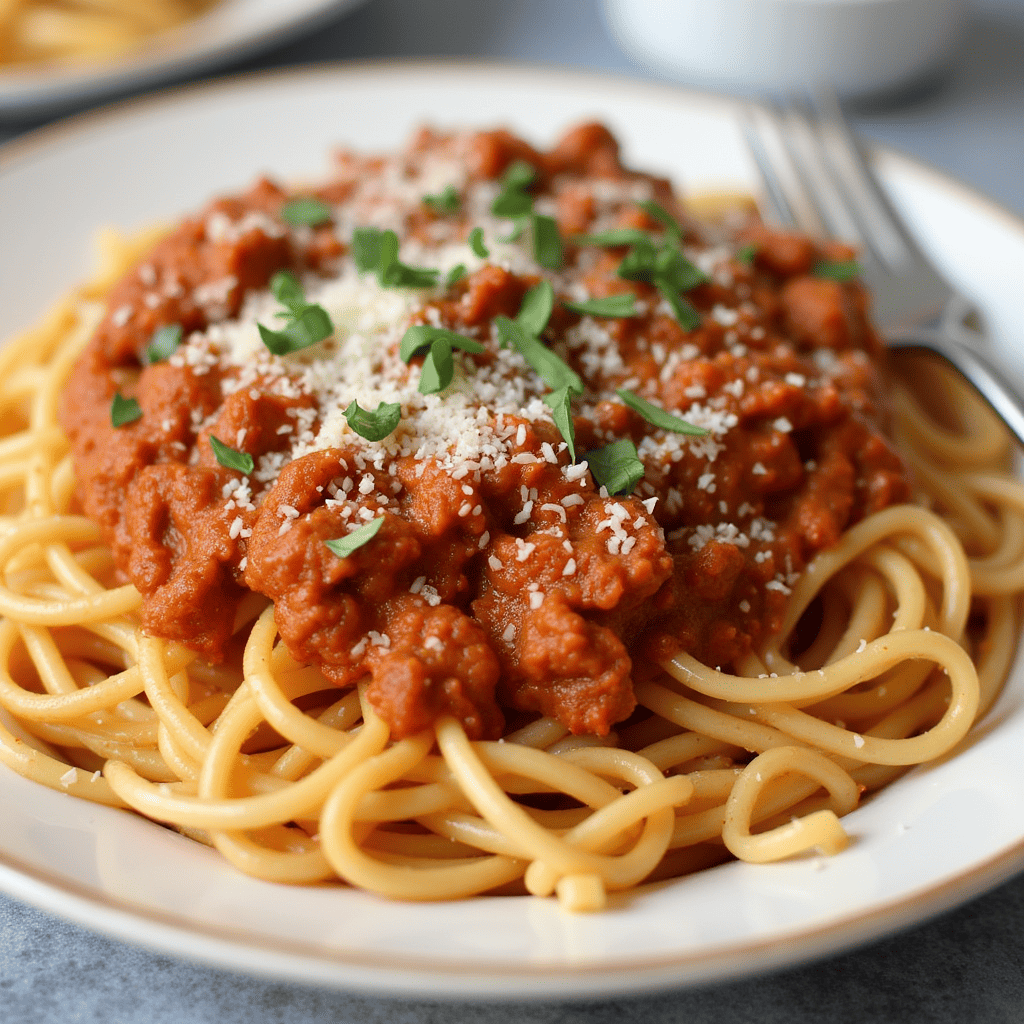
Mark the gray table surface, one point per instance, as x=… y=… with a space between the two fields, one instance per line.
x=966 y=966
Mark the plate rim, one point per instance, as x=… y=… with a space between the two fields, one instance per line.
x=404 y=975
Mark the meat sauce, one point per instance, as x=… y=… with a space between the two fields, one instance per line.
x=507 y=582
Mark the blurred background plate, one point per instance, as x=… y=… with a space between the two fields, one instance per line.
x=229 y=32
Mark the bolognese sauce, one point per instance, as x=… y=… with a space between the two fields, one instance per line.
x=506 y=575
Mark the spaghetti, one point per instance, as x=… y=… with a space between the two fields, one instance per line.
x=889 y=643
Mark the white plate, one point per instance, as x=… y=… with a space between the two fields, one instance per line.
x=935 y=838
x=230 y=32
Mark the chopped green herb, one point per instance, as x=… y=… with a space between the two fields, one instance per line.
x=377 y=251
x=614 y=237
x=306 y=327
x=837 y=270
x=659 y=417
x=684 y=310
x=306 y=211
x=287 y=289
x=513 y=200
x=476 y=243
x=456 y=274
x=560 y=402
x=746 y=255
x=445 y=201
x=163 y=344
x=518 y=175
x=376 y=425
x=229 y=458
x=662 y=216
x=623 y=304
x=536 y=307
x=547 y=244
x=438 y=367
x=366 y=246
x=124 y=410
x=640 y=263
x=344 y=546
x=306 y=323
x=552 y=370
x=673 y=270
x=420 y=337
x=617 y=466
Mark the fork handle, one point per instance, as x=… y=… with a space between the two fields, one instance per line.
x=986 y=379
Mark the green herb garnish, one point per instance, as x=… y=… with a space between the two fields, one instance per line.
x=163 y=344
x=444 y=202
x=560 y=403
x=615 y=237
x=616 y=467
x=438 y=367
x=306 y=211
x=535 y=309
x=476 y=243
x=344 y=546
x=376 y=251
x=306 y=323
x=548 y=366
x=837 y=270
x=229 y=458
x=547 y=243
x=670 y=272
x=124 y=410
x=621 y=305
x=376 y=425
x=746 y=255
x=659 y=417
x=662 y=216
x=456 y=274
x=513 y=200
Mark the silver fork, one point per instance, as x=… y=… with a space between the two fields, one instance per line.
x=817 y=179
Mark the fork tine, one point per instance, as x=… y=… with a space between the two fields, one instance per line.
x=774 y=202
x=881 y=226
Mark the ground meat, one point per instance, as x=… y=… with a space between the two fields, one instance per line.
x=502 y=579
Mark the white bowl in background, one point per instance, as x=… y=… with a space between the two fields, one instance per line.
x=859 y=47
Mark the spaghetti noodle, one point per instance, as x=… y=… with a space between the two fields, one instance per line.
x=890 y=642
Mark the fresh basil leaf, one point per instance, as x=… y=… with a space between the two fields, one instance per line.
x=393 y=273
x=536 y=307
x=456 y=274
x=519 y=225
x=376 y=425
x=662 y=216
x=476 y=243
x=746 y=255
x=659 y=417
x=560 y=403
x=674 y=270
x=444 y=202
x=837 y=270
x=621 y=305
x=420 y=337
x=366 y=248
x=552 y=370
x=615 y=237
x=518 y=175
x=639 y=264
x=163 y=344
x=287 y=289
x=685 y=313
x=616 y=467
x=229 y=458
x=124 y=410
x=547 y=243
x=513 y=200
x=438 y=368
x=344 y=546
x=309 y=325
x=306 y=211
